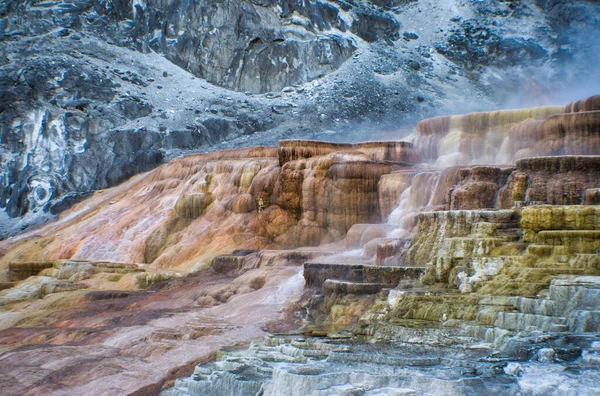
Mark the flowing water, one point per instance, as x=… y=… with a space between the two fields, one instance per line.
x=411 y=201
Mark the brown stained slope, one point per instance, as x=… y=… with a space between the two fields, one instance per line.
x=117 y=343
x=559 y=180
x=182 y=214
x=504 y=136
x=561 y=134
x=589 y=104
x=138 y=221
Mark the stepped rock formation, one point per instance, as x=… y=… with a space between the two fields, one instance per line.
x=352 y=242
x=222 y=201
x=543 y=131
x=474 y=136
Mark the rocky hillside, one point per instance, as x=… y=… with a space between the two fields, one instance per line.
x=95 y=91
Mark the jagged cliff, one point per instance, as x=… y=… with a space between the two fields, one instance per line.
x=96 y=91
x=378 y=241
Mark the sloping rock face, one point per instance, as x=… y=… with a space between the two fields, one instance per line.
x=266 y=45
x=95 y=91
x=207 y=204
x=175 y=263
x=245 y=45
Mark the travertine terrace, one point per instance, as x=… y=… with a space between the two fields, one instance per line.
x=480 y=229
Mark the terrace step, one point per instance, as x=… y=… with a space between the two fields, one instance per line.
x=18 y=271
x=228 y=264
x=488 y=334
x=575 y=241
x=583 y=320
x=420 y=304
x=340 y=287
x=510 y=234
x=315 y=274
x=536 y=306
x=539 y=274
x=588 y=261
x=517 y=321
x=539 y=250
x=120 y=268
x=513 y=288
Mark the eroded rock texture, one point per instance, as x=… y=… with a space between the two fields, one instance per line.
x=244 y=45
x=205 y=204
x=476 y=137
x=166 y=268
x=501 y=137
x=96 y=91
x=290 y=150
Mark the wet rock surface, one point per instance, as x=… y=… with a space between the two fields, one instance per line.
x=297 y=365
x=113 y=326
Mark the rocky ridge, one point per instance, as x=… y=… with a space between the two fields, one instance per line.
x=94 y=91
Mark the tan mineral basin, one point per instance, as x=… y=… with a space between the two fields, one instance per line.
x=137 y=222
x=72 y=345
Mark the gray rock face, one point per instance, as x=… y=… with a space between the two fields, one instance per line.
x=92 y=115
x=95 y=91
x=297 y=365
x=243 y=45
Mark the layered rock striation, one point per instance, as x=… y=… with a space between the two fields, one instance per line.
x=248 y=198
x=506 y=264
x=380 y=245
